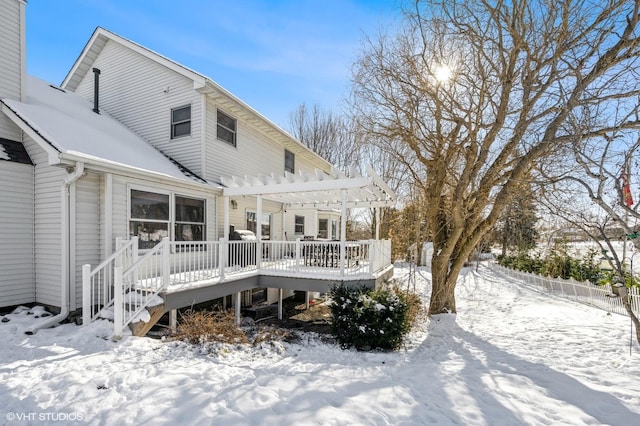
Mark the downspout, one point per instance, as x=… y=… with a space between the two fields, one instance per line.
x=65 y=226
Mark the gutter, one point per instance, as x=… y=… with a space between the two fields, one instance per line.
x=66 y=255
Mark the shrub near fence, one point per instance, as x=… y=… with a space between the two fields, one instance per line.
x=601 y=297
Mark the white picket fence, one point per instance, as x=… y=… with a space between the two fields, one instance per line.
x=601 y=297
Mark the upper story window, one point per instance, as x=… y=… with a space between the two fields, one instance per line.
x=181 y=121
x=289 y=161
x=227 y=128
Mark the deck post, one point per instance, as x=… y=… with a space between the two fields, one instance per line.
x=372 y=256
x=222 y=255
x=166 y=269
x=343 y=232
x=238 y=317
x=298 y=254
x=279 y=303
x=259 y=232
x=173 y=320
x=307 y=295
x=118 y=308
x=87 y=306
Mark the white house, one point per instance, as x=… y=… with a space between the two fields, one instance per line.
x=126 y=179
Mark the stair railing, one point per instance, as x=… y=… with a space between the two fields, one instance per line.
x=98 y=283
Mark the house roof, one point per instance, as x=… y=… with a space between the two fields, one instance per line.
x=202 y=83
x=64 y=124
x=13 y=151
x=315 y=190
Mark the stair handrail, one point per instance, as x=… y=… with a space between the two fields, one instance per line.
x=128 y=248
x=128 y=284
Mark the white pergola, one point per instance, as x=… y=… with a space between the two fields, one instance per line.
x=336 y=190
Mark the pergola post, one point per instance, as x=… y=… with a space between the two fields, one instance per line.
x=225 y=229
x=343 y=231
x=258 y=231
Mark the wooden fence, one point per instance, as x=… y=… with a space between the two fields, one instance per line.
x=602 y=297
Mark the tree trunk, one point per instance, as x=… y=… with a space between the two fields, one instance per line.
x=634 y=319
x=443 y=287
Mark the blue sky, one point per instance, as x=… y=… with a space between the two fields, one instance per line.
x=273 y=55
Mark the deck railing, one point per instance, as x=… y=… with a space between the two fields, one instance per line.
x=131 y=282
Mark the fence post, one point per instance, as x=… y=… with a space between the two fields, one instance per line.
x=118 y=308
x=87 y=305
x=297 y=254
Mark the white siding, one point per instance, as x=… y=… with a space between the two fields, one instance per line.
x=254 y=152
x=140 y=93
x=10 y=61
x=48 y=232
x=17 y=281
x=87 y=230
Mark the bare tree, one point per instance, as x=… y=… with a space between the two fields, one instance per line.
x=332 y=137
x=591 y=197
x=481 y=92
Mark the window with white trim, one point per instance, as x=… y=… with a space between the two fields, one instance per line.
x=189 y=221
x=334 y=229
x=299 y=225
x=265 y=223
x=181 y=121
x=289 y=161
x=152 y=215
x=226 y=129
x=323 y=228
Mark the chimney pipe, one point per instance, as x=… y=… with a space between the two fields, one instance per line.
x=96 y=90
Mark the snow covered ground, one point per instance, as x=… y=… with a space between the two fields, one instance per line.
x=513 y=355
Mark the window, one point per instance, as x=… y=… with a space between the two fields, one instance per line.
x=190 y=224
x=323 y=228
x=181 y=121
x=151 y=213
x=299 y=227
x=334 y=229
x=265 y=223
x=149 y=217
x=226 y=128
x=289 y=161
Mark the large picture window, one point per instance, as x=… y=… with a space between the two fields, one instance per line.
x=190 y=223
x=153 y=215
x=149 y=217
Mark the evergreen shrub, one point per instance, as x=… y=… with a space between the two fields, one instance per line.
x=372 y=319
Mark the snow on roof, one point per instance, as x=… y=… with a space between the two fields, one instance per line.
x=67 y=122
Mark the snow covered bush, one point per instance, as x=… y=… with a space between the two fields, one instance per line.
x=370 y=319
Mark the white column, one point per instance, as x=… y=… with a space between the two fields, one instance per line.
x=343 y=231
x=225 y=230
x=378 y=219
x=259 y=231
